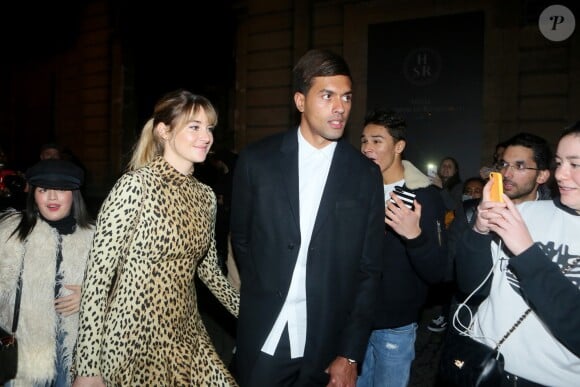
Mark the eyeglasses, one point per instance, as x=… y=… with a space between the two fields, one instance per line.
x=518 y=167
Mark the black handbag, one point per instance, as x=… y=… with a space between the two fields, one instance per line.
x=465 y=362
x=9 y=344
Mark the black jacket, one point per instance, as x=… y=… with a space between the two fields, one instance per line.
x=344 y=253
x=410 y=266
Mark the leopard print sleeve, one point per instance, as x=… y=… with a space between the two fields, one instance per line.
x=211 y=275
x=115 y=222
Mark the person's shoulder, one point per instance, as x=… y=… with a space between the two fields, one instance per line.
x=353 y=154
x=266 y=148
x=131 y=178
x=266 y=142
x=10 y=218
x=430 y=195
x=429 y=190
x=538 y=209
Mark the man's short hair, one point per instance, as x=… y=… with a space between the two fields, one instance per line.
x=391 y=120
x=538 y=145
x=317 y=63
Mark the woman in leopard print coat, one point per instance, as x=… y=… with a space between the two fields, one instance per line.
x=139 y=323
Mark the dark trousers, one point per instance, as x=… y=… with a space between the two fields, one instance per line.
x=278 y=370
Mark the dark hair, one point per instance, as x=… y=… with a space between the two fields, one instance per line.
x=572 y=129
x=50 y=145
x=495 y=153
x=538 y=145
x=392 y=121
x=472 y=179
x=453 y=180
x=31 y=213
x=317 y=63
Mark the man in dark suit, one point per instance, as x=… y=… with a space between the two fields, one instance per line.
x=306 y=228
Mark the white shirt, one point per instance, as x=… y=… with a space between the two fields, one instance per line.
x=388 y=188
x=313 y=167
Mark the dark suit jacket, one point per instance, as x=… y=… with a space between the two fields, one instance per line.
x=344 y=256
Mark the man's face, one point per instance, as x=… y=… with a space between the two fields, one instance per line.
x=378 y=145
x=325 y=109
x=473 y=189
x=521 y=185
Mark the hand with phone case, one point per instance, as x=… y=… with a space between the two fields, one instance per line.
x=491 y=205
x=496 y=191
x=502 y=217
x=402 y=213
x=407 y=197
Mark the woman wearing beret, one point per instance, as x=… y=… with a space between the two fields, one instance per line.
x=139 y=320
x=48 y=244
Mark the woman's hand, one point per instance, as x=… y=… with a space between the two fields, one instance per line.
x=486 y=210
x=505 y=220
x=70 y=304
x=511 y=228
x=88 y=381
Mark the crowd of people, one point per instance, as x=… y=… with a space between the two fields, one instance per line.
x=325 y=254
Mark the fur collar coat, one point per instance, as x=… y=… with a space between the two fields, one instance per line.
x=39 y=322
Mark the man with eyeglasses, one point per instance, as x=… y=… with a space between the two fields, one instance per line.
x=525 y=166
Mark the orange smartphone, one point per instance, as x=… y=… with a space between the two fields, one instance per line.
x=496 y=186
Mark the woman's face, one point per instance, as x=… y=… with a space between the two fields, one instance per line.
x=190 y=143
x=568 y=171
x=447 y=169
x=53 y=204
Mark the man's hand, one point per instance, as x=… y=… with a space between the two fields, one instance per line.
x=342 y=373
x=401 y=219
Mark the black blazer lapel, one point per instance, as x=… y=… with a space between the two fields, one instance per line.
x=339 y=170
x=288 y=169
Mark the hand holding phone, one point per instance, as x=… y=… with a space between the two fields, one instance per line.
x=496 y=191
x=407 y=197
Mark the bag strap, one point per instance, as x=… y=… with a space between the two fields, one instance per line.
x=17 y=300
x=527 y=312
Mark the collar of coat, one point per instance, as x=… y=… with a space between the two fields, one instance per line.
x=414 y=178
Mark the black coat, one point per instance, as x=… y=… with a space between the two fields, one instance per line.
x=344 y=254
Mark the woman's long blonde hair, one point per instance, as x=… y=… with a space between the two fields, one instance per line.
x=173 y=109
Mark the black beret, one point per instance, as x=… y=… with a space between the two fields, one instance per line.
x=55 y=174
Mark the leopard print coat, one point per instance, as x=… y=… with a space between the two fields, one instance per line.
x=139 y=320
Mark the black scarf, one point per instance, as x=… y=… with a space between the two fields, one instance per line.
x=64 y=226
